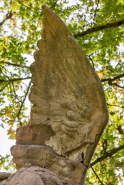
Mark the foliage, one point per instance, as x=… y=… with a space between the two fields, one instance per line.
x=7 y=164
x=98 y=26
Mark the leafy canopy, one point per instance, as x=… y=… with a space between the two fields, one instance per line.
x=98 y=26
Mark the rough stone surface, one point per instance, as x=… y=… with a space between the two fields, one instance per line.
x=69 y=110
x=4 y=175
x=69 y=107
x=34 y=176
x=3 y=182
x=42 y=156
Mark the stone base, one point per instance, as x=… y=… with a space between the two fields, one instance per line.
x=44 y=157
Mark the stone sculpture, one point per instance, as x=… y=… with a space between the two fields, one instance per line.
x=3 y=177
x=69 y=110
x=34 y=176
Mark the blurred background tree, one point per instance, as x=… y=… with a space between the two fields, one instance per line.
x=98 y=26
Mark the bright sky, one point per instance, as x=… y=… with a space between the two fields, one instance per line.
x=5 y=143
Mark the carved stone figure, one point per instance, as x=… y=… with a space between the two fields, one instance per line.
x=34 y=176
x=42 y=156
x=69 y=110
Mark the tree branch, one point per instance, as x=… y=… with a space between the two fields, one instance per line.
x=97 y=176
x=15 y=79
x=96 y=11
x=108 y=154
x=53 y=6
x=99 y=28
x=8 y=16
x=23 y=103
x=91 y=61
x=16 y=65
x=3 y=88
x=16 y=96
x=113 y=79
x=115 y=105
x=120 y=130
x=110 y=83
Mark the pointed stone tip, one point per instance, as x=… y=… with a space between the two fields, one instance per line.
x=47 y=11
x=44 y=7
x=50 y=15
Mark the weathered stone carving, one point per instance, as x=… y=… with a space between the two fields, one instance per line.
x=3 y=177
x=67 y=170
x=34 y=176
x=69 y=110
